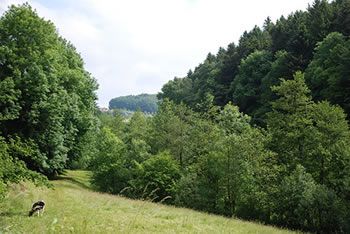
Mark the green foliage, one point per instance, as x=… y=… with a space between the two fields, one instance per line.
x=248 y=82
x=306 y=205
x=311 y=140
x=195 y=86
x=136 y=138
x=87 y=149
x=282 y=66
x=113 y=121
x=224 y=175
x=187 y=192
x=314 y=135
x=46 y=95
x=289 y=122
x=227 y=63
x=330 y=148
x=110 y=173
x=252 y=41
x=341 y=16
x=293 y=95
x=8 y=99
x=328 y=73
x=137 y=127
x=170 y=130
x=319 y=20
x=217 y=162
x=243 y=159
x=146 y=102
x=156 y=178
x=13 y=170
x=178 y=90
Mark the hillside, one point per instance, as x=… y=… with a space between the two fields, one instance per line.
x=72 y=207
x=315 y=42
x=146 y=102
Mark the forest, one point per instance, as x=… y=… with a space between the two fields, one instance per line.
x=259 y=131
x=315 y=42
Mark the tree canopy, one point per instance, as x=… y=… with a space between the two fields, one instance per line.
x=46 y=94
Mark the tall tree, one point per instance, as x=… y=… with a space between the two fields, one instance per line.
x=283 y=66
x=247 y=84
x=203 y=78
x=319 y=21
x=109 y=165
x=329 y=151
x=178 y=90
x=170 y=130
x=50 y=97
x=341 y=20
x=289 y=122
x=314 y=135
x=228 y=61
x=256 y=39
x=136 y=138
x=328 y=75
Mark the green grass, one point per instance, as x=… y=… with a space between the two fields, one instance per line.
x=73 y=207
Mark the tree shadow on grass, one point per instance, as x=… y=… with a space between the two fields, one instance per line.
x=73 y=184
x=63 y=176
x=79 y=183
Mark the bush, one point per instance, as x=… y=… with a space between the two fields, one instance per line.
x=156 y=178
x=187 y=194
x=306 y=205
x=13 y=170
x=112 y=178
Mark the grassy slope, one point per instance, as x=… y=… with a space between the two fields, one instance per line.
x=73 y=208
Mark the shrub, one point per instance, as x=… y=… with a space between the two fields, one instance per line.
x=306 y=205
x=187 y=194
x=156 y=178
x=13 y=170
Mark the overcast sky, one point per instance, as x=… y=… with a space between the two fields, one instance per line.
x=136 y=46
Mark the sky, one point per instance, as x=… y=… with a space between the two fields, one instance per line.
x=136 y=46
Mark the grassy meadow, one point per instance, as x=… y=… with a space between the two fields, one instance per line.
x=73 y=207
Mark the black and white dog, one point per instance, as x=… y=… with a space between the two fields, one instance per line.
x=38 y=206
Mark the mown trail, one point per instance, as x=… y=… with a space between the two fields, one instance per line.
x=72 y=207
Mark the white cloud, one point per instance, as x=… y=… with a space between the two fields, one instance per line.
x=5 y=3
x=136 y=46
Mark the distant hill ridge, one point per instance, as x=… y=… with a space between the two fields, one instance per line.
x=146 y=102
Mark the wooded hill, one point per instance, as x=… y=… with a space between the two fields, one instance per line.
x=146 y=103
x=315 y=41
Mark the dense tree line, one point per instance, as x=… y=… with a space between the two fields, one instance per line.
x=294 y=173
x=47 y=99
x=315 y=41
x=146 y=102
